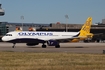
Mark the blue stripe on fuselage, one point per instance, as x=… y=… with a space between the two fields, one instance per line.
x=26 y=40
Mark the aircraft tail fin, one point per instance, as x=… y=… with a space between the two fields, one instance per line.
x=85 y=30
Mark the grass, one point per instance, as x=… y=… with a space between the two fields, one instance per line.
x=51 y=61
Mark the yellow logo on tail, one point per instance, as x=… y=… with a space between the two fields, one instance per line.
x=85 y=30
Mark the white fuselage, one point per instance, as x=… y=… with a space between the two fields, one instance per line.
x=45 y=36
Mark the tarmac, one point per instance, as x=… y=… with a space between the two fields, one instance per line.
x=89 y=48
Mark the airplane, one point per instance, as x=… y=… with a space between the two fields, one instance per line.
x=2 y=12
x=32 y=38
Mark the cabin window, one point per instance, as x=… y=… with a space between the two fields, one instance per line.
x=8 y=34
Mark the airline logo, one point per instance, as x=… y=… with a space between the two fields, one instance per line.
x=34 y=34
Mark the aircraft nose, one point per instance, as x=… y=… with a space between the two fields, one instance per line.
x=3 y=39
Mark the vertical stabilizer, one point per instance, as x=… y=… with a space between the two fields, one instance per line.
x=85 y=30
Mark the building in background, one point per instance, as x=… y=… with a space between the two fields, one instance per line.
x=7 y=27
x=103 y=21
x=3 y=28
